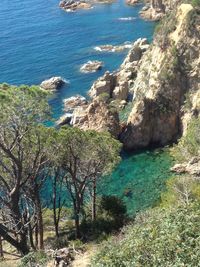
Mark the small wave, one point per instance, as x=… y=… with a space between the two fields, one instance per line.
x=65 y=80
x=127 y=19
x=105 y=49
x=97 y=48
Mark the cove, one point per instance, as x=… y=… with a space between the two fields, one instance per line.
x=38 y=40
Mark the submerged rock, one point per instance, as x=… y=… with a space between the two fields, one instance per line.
x=72 y=5
x=113 y=48
x=91 y=66
x=52 y=83
x=73 y=102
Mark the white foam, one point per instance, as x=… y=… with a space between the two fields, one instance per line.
x=127 y=19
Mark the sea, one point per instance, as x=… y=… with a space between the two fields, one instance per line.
x=38 y=40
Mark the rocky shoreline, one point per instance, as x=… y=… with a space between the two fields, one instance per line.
x=152 y=79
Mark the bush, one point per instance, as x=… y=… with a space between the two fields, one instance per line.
x=157 y=238
x=189 y=145
x=196 y=3
x=34 y=259
x=111 y=216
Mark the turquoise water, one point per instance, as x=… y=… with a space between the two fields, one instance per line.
x=38 y=40
x=139 y=179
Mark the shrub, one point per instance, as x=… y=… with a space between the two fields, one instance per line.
x=111 y=216
x=34 y=259
x=157 y=238
x=189 y=145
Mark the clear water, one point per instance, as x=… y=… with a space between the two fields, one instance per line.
x=139 y=179
x=38 y=41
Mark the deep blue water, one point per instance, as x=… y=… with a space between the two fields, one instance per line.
x=38 y=40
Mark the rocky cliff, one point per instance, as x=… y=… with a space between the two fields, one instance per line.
x=167 y=89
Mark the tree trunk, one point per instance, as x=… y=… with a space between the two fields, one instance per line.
x=55 y=219
x=40 y=223
x=94 y=189
x=77 y=226
x=36 y=235
x=21 y=246
x=31 y=237
x=1 y=248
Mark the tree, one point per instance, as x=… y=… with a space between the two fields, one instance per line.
x=85 y=156
x=22 y=158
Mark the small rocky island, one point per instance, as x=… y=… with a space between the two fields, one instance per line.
x=91 y=66
x=113 y=48
x=53 y=83
x=72 y=5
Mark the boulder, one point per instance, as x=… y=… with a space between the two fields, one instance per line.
x=52 y=83
x=192 y=167
x=104 y=85
x=63 y=257
x=97 y=116
x=121 y=91
x=73 y=102
x=91 y=66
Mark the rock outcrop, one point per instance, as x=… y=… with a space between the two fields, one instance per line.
x=132 y=2
x=73 y=102
x=191 y=168
x=116 y=85
x=97 y=116
x=52 y=83
x=73 y=5
x=91 y=66
x=156 y=9
x=114 y=48
x=168 y=72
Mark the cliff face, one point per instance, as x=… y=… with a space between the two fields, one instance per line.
x=167 y=89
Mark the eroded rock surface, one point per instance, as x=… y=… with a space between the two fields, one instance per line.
x=52 y=83
x=91 y=66
x=116 y=85
x=97 y=116
x=167 y=73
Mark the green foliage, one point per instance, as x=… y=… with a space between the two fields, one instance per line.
x=111 y=216
x=124 y=113
x=104 y=97
x=98 y=149
x=58 y=242
x=166 y=26
x=33 y=259
x=158 y=237
x=189 y=145
x=196 y=3
x=181 y=190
